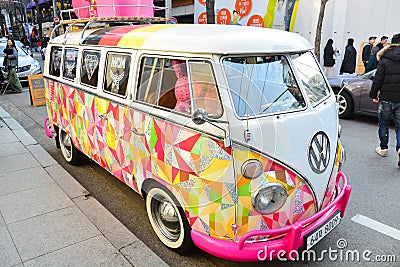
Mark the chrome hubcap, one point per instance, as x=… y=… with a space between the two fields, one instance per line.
x=342 y=104
x=66 y=144
x=166 y=217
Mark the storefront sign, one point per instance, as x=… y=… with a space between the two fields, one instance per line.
x=276 y=14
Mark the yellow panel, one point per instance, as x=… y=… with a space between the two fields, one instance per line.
x=137 y=37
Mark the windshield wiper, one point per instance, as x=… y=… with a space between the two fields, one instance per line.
x=276 y=99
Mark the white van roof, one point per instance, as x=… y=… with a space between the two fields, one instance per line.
x=193 y=38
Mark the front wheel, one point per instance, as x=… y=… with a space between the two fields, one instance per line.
x=71 y=154
x=345 y=105
x=168 y=221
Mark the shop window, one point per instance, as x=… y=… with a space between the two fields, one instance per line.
x=90 y=68
x=117 y=73
x=70 y=61
x=55 y=61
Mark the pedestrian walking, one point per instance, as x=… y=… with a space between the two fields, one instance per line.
x=33 y=38
x=383 y=42
x=366 y=52
x=329 y=58
x=10 y=63
x=387 y=84
x=349 y=60
x=372 y=61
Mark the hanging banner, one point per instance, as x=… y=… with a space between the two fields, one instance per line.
x=276 y=14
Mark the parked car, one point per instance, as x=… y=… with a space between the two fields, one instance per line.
x=352 y=92
x=27 y=65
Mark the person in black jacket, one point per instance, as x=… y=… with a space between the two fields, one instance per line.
x=366 y=52
x=349 y=60
x=387 y=84
x=329 y=61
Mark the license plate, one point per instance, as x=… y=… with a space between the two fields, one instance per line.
x=318 y=234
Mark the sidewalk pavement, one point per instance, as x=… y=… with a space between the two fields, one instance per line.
x=48 y=219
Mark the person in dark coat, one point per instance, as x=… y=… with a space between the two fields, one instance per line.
x=387 y=84
x=350 y=57
x=329 y=51
x=372 y=62
x=383 y=42
x=10 y=62
x=366 y=52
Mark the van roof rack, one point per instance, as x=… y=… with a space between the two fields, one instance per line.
x=86 y=22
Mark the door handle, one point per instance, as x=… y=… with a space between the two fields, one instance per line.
x=135 y=131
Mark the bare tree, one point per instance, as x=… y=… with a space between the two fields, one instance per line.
x=319 y=29
x=210 y=10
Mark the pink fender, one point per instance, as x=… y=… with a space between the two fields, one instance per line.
x=47 y=128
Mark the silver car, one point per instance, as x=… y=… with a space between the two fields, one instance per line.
x=27 y=65
x=352 y=92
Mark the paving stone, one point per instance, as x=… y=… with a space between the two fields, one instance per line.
x=7 y=136
x=25 y=204
x=12 y=148
x=41 y=155
x=16 y=181
x=70 y=186
x=24 y=137
x=17 y=162
x=93 y=252
x=112 y=229
x=8 y=252
x=50 y=232
x=138 y=254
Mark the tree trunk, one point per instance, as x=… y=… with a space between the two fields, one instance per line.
x=319 y=29
x=210 y=4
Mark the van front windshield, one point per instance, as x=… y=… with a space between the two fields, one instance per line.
x=262 y=85
x=310 y=76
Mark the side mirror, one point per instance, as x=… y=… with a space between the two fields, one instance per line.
x=200 y=116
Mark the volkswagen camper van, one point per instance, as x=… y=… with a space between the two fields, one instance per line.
x=230 y=134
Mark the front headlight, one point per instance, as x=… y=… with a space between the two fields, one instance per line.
x=270 y=198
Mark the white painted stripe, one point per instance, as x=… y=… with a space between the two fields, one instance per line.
x=377 y=226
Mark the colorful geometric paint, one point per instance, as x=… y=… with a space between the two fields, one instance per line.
x=198 y=169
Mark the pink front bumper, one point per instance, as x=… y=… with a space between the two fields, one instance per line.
x=293 y=239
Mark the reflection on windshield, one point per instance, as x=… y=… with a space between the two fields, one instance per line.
x=310 y=76
x=19 y=49
x=262 y=85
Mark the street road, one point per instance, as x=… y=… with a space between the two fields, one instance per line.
x=375 y=195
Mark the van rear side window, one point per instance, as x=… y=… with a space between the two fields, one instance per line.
x=55 y=61
x=117 y=73
x=70 y=60
x=90 y=68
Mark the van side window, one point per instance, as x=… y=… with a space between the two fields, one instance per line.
x=117 y=73
x=149 y=80
x=70 y=60
x=204 y=88
x=90 y=68
x=55 y=61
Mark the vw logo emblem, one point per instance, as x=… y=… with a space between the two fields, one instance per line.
x=319 y=152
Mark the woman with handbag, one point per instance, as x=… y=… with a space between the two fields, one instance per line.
x=10 y=63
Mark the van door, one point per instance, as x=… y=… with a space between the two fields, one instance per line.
x=117 y=115
x=189 y=159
